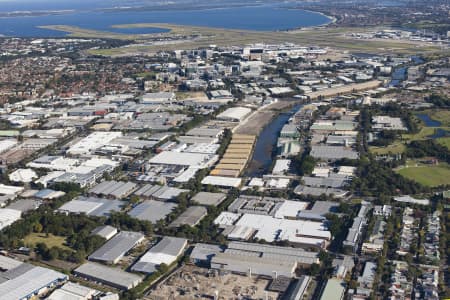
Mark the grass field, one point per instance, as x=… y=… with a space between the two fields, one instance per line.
x=426 y=174
x=421 y=135
x=52 y=240
x=445 y=141
x=395 y=148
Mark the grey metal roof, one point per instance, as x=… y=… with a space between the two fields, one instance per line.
x=29 y=282
x=7 y=263
x=205 y=251
x=324 y=207
x=25 y=205
x=144 y=267
x=167 y=246
x=152 y=210
x=262 y=248
x=297 y=288
x=113 y=188
x=205 y=132
x=106 y=206
x=104 y=231
x=256 y=265
x=333 y=152
x=116 y=247
x=336 y=182
x=191 y=216
x=108 y=275
x=317 y=191
x=206 y=198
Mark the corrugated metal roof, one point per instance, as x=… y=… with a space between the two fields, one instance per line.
x=116 y=247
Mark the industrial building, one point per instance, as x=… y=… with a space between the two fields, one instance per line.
x=209 y=199
x=198 y=160
x=227 y=182
x=268 y=228
x=381 y=123
x=24 y=281
x=333 y=153
x=190 y=217
x=165 y=252
x=152 y=210
x=236 y=156
x=92 y=142
x=260 y=259
x=234 y=114
x=271 y=206
x=73 y=291
x=116 y=248
x=106 y=231
x=158 y=98
x=23 y=175
x=111 y=276
x=202 y=253
x=92 y=206
x=8 y=216
x=163 y=193
x=114 y=189
x=334 y=290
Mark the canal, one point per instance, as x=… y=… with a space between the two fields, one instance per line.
x=266 y=144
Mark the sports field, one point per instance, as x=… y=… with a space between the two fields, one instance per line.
x=427 y=175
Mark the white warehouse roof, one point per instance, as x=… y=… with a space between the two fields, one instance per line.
x=222 y=181
x=234 y=114
x=93 y=141
x=23 y=175
x=200 y=160
x=8 y=216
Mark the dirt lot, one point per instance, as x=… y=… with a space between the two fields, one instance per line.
x=260 y=118
x=191 y=282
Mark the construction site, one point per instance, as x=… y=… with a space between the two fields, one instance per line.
x=191 y=282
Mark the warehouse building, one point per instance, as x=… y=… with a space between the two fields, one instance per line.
x=92 y=206
x=158 y=98
x=114 y=189
x=163 y=193
x=8 y=216
x=92 y=142
x=202 y=254
x=114 y=277
x=116 y=248
x=227 y=182
x=209 y=199
x=73 y=291
x=190 y=217
x=23 y=175
x=165 y=252
x=208 y=132
x=297 y=232
x=298 y=288
x=332 y=153
x=152 y=210
x=234 y=114
x=106 y=231
x=198 y=160
x=277 y=207
x=260 y=259
x=334 y=290
x=24 y=281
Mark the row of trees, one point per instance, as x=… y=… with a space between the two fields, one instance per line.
x=76 y=228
